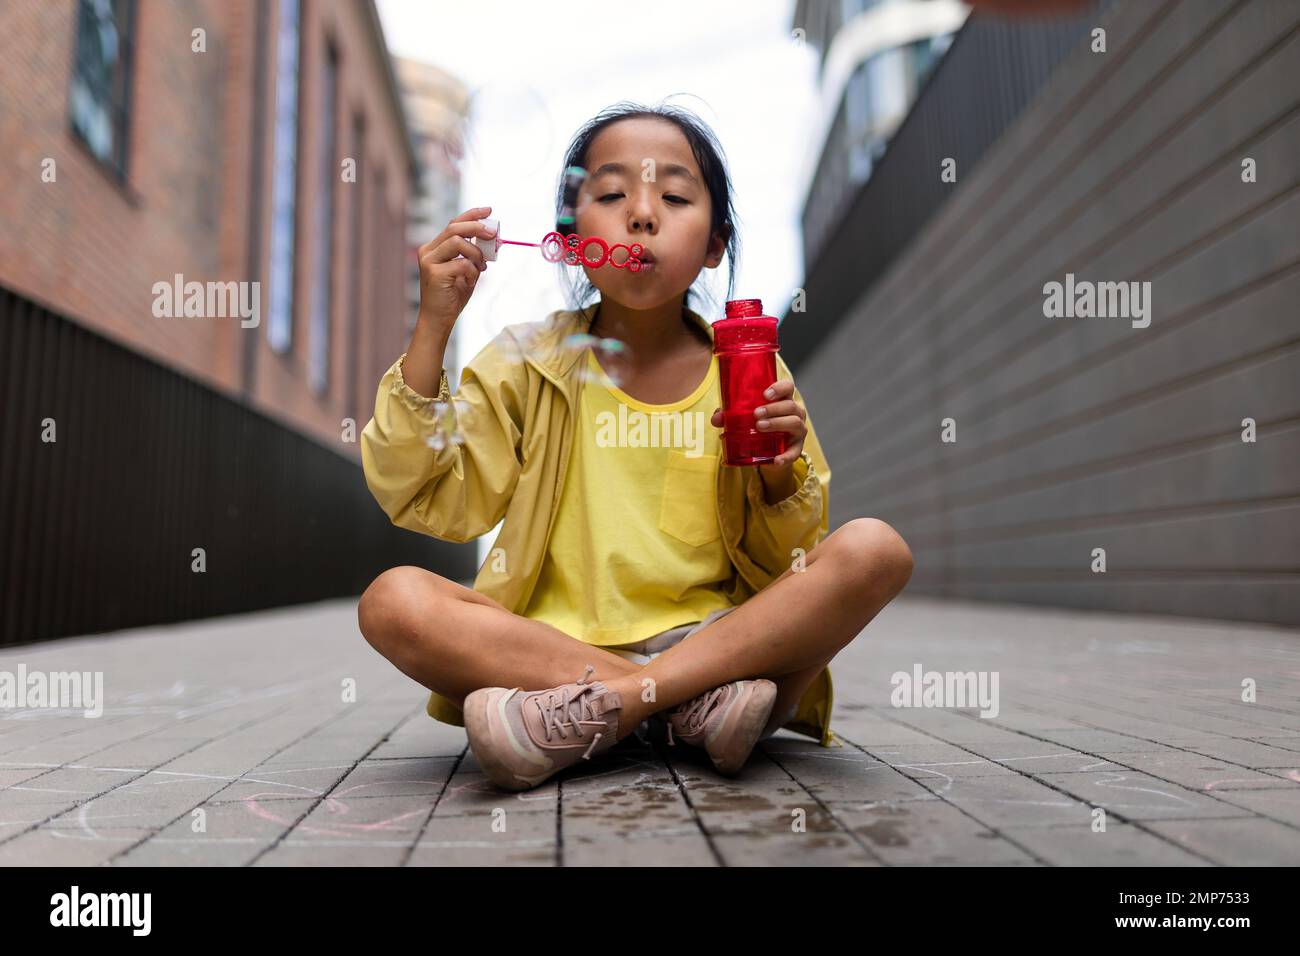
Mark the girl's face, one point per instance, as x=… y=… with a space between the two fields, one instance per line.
x=643 y=185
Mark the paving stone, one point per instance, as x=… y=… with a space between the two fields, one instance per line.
x=147 y=802
x=422 y=736
x=939 y=760
x=1099 y=742
x=417 y=776
x=15 y=775
x=850 y=775
x=1283 y=804
x=472 y=794
x=343 y=853
x=1000 y=801
x=1122 y=844
x=235 y=834
x=930 y=833
x=1195 y=771
x=1139 y=796
x=46 y=847
x=625 y=805
x=281 y=783
x=758 y=810
x=1246 y=841
x=671 y=846
x=528 y=839
x=397 y=820
x=813 y=848
x=1248 y=753
x=289 y=774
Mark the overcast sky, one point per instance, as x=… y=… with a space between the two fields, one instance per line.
x=537 y=72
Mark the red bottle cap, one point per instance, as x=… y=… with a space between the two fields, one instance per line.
x=745 y=327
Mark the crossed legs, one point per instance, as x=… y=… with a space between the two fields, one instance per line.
x=455 y=640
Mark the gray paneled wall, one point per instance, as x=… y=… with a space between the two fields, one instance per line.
x=1074 y=434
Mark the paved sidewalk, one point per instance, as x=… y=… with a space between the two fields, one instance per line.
x=243 y=718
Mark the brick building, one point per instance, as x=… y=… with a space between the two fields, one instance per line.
x=261 y=144
x=204 y=124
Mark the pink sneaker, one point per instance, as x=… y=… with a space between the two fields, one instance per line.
x=521 y=738
x=725 y=721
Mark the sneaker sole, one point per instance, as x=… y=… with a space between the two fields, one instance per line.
x=748 y=721
x=485 y=745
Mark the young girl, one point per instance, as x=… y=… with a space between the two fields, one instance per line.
x=615 y=549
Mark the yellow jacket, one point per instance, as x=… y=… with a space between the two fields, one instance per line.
x=515 y=408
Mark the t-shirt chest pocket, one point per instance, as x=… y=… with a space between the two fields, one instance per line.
x=688 y=511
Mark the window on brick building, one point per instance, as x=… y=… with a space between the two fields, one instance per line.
x=284 y=179
x=100 y=97
x=356 y=265
x=322 y=274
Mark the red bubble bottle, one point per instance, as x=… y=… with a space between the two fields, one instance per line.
x=746 y=345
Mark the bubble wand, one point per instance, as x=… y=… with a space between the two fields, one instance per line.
x=572 y=249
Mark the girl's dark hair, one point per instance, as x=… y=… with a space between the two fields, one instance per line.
x=708 y=155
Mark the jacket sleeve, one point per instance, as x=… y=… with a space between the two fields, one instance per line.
x=451 y=490
x=773 y=531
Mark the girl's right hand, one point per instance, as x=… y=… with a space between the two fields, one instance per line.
x=449 y=269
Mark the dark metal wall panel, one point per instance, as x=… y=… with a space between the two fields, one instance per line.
x=1083 y=433
x=992 y=70
x=97 y=528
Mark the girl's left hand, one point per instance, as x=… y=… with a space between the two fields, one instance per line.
x=781 y=414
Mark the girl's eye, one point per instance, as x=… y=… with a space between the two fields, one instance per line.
x=678 y=199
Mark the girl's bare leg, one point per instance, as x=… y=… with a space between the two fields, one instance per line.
x=454 y=640
x=788 y=631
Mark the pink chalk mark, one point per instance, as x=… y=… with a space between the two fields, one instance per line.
x=333 y=805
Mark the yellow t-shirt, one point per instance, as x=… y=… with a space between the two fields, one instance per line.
x=639 y=505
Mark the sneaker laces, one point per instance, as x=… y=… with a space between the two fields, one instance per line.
x=557 y=715
x=696 y=712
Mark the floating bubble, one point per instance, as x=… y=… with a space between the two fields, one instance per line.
x=580 y=340
x=506 y=110
x=574 y=177
x=446 y=428
x=519 y=344
x=592 y=376
x=613 y=347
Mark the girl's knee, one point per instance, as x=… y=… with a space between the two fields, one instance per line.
x=393 y=603
x=874 y=548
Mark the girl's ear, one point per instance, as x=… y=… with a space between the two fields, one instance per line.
x=717 y=246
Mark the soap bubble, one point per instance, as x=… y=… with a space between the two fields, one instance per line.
x=579 y=340
x=611 y=354
x=520 y=344
x=446 y=424
x=574 y=177
x=507 y=129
